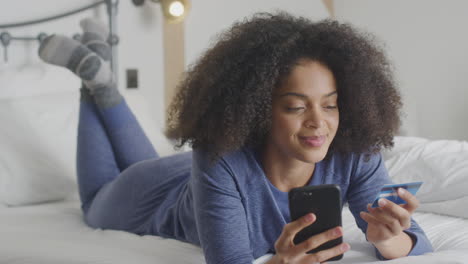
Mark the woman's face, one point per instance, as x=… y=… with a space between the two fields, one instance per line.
x=305 y=113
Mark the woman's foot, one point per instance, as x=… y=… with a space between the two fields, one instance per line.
x=90 y=67
x=95 y=36
x=63 y=51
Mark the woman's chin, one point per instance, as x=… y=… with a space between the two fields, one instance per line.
x=313 y=156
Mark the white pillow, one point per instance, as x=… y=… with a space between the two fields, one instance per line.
x=35 y=78
x=38 y=145
x=37 y=149
x=455 y=207
x=441 y=164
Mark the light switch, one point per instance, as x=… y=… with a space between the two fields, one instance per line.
x=132 y=78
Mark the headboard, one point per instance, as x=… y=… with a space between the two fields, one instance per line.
x=7 y=39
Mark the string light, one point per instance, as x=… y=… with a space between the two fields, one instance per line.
x=176 y=9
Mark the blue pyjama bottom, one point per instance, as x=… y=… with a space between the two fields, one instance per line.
x=121 y=178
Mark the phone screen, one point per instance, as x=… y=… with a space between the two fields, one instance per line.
x=325 y=202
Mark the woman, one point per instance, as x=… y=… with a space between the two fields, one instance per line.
x=278 y=102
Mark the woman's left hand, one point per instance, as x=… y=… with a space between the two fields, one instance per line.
x=389 y=219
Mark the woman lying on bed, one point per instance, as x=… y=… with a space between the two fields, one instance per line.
x=278 y=102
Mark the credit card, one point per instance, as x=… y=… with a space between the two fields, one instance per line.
x=389 y=192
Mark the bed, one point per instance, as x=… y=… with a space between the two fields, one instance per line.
x=55 y=233
x=41 y=220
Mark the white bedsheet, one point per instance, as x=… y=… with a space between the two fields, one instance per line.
x=55 y=233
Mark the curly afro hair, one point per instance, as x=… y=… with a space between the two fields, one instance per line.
x=224 y=101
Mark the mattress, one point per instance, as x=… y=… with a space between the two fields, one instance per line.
x=55 y=233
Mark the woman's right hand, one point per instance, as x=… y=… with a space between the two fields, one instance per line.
x=288 y=252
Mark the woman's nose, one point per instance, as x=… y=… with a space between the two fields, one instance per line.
x=314 y=119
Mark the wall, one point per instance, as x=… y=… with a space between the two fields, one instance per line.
x=140 y=46
x=140 y=32
x=209 y=17
x=426 y=40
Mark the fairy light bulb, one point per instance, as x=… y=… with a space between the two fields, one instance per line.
x=176 y=9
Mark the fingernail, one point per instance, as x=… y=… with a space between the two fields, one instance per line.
x=337 y=231
x=401 y=191
x=345 y=247
x=382 y=202
x=309 y=217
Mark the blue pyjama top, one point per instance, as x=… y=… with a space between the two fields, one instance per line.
x=230 y=208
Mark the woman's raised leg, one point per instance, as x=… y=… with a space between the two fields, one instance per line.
x=95 y=160
x=109 y=136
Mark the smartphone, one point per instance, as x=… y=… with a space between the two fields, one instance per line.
x=325 y=202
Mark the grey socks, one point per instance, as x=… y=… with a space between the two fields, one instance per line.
x=90 y=61
x=67 y=52
x=94 y=37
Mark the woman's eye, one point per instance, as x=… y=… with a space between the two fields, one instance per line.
x=331 y=106
x=294 y=109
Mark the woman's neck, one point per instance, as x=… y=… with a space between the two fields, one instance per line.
x=283 y=171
